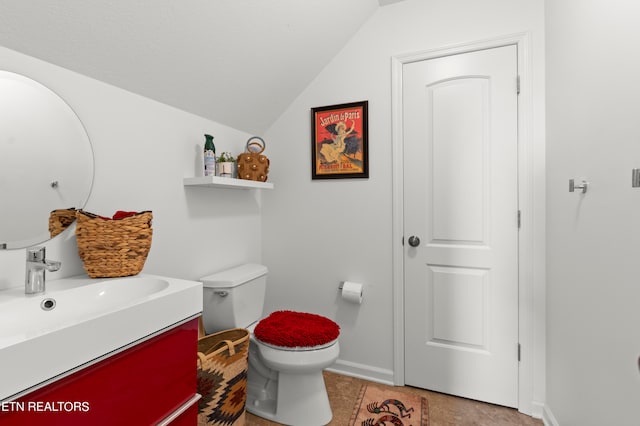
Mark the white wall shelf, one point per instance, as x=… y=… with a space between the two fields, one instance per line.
x=223 y=182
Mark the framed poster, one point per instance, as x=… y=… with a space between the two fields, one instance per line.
x=340 y=141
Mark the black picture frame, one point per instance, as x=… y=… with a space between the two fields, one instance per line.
x=340 y=141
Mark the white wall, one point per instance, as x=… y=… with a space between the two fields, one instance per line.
x=314 y=233
x=143 y=149
x=593 y=273
x=318 y=233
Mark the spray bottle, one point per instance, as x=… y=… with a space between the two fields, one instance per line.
x=209 y=156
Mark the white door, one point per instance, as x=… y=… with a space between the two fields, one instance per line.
x=461 y=201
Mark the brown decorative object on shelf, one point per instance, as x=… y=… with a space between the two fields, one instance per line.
x=252 y=165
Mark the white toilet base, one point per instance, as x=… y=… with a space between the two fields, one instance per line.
x=301 y=400
x=296 y=396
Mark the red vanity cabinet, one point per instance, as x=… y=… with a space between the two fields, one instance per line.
x=153 y=382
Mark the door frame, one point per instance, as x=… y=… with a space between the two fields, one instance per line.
x=528 y=318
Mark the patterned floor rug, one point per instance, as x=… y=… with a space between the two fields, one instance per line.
x=378 y=406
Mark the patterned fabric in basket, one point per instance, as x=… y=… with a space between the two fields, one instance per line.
x=113 y=247
x=222 y=377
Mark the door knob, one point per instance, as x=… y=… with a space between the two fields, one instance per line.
x=414 y=241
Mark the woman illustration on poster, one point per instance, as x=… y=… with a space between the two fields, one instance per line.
x=332 y=151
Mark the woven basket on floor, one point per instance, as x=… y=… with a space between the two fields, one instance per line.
x=60 y=219
x=113 y=247
x=223 y=362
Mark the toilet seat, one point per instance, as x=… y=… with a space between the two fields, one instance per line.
x=298 y=348
x=296 y=331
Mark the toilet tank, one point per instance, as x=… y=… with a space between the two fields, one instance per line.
x=233 y=298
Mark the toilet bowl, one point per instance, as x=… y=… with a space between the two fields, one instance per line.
x=287 y=352
x=298 y=346
x=299 y=397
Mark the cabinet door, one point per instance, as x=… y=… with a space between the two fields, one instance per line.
x=139 y=386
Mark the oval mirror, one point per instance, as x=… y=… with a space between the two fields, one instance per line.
x=46 y=160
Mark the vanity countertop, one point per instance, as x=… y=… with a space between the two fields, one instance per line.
x=79 y=321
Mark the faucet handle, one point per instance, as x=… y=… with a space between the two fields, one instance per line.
x=52 y=265
x=36 y=254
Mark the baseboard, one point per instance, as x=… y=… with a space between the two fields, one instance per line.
x=537 y=410
x=548 y=418
x=362 y=371
x=384 y=376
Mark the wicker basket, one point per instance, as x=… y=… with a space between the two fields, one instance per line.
x=61 y=219
x=222 y=377
x=113 y=247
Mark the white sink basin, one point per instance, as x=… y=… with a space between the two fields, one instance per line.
x=80 y=319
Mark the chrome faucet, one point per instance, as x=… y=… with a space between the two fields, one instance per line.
x=36 y=266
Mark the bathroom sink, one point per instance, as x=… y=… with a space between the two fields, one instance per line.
x=68 y=301
x=79 y=320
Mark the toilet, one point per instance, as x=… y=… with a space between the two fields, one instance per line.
x=287 y=352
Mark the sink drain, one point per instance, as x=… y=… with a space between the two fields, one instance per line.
x=48 y=304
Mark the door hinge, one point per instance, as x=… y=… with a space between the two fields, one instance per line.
x=519 y=219
x=518 y=352
x=518 y=85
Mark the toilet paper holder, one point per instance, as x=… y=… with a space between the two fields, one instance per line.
x=351 y=291
x=341 y=285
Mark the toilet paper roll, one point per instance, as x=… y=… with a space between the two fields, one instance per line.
x=352 y=292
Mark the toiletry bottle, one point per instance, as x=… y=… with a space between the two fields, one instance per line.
x=209 y=156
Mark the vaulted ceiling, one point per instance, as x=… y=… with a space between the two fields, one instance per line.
x=237 y=62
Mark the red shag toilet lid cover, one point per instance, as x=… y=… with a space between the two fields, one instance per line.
x=291 y=329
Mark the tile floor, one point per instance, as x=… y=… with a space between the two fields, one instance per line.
x=444 y=410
